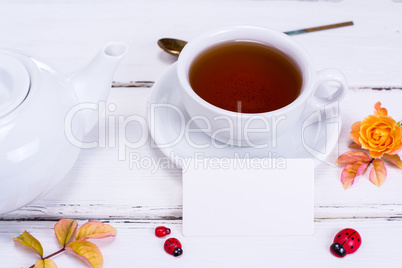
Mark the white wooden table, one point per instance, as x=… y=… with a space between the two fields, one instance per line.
x=67 y=34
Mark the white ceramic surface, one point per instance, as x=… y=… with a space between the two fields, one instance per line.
x=37 y=128
x=263 y=126
x=14 y=83
x=179 y=138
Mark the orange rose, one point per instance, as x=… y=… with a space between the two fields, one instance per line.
x=378 y=133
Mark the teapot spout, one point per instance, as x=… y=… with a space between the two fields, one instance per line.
x=93 y=83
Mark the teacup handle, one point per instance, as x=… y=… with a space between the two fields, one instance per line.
x=324 y=105
x=322 y=96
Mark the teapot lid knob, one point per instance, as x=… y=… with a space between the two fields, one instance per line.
x=14 y=83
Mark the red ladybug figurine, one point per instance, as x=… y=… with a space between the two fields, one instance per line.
x=173 y=247
x=162 y=231
x=347 y=241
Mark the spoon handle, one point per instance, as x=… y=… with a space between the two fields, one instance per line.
x=133 y=84
x=320 y=28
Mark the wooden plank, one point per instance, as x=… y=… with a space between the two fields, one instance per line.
x=67 y=34
x=101 y=186
x=135 y=200
x=136 y=245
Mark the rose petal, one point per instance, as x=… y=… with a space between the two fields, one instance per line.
x=386 y=120
x=378 y=173
x=378 y=110
x=65 y=230
x=353 y=157
x=398 y=131
x=396 y=149
x=26 y=240
x=375 y=126
x=375 y=154
x=398 y=143
x=364 y=144
x=355 y=132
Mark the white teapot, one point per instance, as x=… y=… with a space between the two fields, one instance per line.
x=35 y=152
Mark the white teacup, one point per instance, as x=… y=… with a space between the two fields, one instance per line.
x=247 y=129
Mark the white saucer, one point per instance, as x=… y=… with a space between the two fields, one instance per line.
x=167 y=119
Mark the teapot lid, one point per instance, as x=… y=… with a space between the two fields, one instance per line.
x=14 y=83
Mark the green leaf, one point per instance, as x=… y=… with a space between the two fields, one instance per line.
x=378 y=173
x=26 y=240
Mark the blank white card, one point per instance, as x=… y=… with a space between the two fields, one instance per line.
x=248 y=197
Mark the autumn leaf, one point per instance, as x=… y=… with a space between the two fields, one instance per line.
x=353 y=157
x=361 y=169
x=95 y=229
x=351 y=171
x=86 y=251
x=378 y=173
x=354 y=145
x=65 y=230
x=46 y=263
x=394 y=159
x=26 y=240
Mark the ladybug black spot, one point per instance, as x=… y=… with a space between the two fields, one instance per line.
x=339 y=235
x=351 y=247
x=347 y=233
x=358 y=239
x=353 y=238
